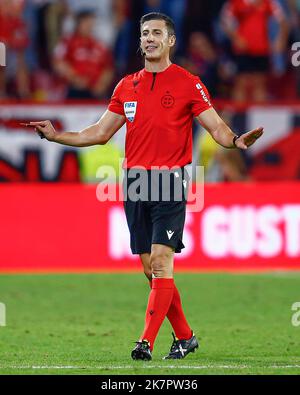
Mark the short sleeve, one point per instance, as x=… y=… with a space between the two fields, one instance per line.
x=200 y=100
x=115 y=104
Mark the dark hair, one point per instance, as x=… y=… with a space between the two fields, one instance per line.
x=159 y=17
x=88 y=13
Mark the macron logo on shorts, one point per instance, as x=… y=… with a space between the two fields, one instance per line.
x=170 y=233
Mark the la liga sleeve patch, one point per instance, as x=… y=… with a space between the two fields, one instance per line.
x=200 y=98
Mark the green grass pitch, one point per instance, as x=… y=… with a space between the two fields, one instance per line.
x=87 y=324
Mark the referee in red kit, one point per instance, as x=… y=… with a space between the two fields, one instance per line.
x=158 y=104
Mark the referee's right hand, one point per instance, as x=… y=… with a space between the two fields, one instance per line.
x=45 y=129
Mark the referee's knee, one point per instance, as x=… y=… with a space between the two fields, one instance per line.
x=161 y=264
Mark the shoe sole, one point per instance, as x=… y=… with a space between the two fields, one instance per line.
x=138 y=356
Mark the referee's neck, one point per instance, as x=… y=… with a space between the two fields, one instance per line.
x=157 y=66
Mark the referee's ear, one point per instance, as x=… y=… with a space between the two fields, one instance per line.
x=172 y=40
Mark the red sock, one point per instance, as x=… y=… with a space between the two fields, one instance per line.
x=177 y=318
x=159 y=301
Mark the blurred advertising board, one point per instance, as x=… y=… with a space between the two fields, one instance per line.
x=24 y=157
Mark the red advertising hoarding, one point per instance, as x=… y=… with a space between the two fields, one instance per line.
x=64 y=228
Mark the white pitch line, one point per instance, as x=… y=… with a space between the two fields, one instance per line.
x=154 y=367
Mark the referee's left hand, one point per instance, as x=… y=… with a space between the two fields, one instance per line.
x=249 y=138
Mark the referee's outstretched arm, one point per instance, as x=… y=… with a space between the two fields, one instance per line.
x=222 y=133
x=98 y=133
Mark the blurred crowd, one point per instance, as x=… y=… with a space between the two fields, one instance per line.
x=79 y=49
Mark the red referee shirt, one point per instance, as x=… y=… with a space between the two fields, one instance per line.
x=159 y=110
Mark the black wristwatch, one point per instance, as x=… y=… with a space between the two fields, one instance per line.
x=234 y=140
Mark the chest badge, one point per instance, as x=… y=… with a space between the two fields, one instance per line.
x=167 y=101
x=130 y=110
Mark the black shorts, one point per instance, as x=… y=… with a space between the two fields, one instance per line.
x=155 y=208
x=252 y=64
